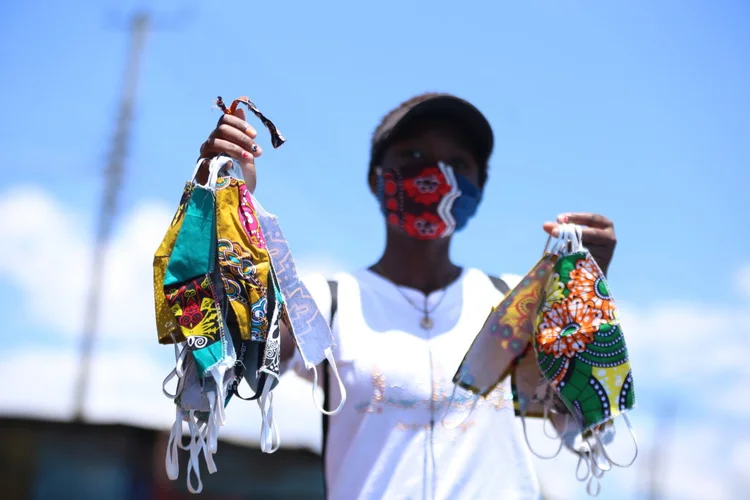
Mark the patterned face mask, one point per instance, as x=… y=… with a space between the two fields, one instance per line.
x=307 y=324
x=426 y=202
x=580 y=349
x=506 y=333
x=224 y=281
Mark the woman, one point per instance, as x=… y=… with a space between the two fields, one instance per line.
x=403 y=325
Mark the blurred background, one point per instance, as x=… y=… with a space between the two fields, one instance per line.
x=638 y=110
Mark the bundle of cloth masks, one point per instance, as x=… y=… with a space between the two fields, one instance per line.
x=558 y=336
x=224 y=284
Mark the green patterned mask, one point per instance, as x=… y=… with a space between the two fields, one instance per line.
x=580 y=347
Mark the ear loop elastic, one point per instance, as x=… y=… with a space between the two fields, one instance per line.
x=269 y=433
x=342 y=389
x=177 y=371
x=604 y=449
x=444 y=420
x=547 y=404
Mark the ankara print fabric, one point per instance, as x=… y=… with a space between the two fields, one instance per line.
x=243 y=258
x=426 y=202
x=580 y=345
x=197 y=309
x=506 y=333
x=166 y=324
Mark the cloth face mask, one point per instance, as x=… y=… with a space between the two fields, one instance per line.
x=581 y=352
x=426 y=202
x=579 y=342
x=506 y=333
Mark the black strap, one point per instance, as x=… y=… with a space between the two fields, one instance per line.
x=334 y=287
x=501 y=286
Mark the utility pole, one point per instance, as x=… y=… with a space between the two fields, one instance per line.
x=139 y=26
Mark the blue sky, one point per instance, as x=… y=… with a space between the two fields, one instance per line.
x=637 y=110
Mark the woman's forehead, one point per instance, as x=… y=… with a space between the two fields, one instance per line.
x=442 y=127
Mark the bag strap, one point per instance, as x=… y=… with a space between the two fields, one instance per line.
x=334 y=288
x=501 y=286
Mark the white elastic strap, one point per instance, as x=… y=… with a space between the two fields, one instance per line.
x=583 y=458
x=176 y=372
x=167 y=380
x=445 y=419
x=172 y=460
x=579 y=237
x=180 y=362
x=214 y=167
x=342 y=389
x=196 y=446
x=222 y=387
x=526 y=437
x=208 y=454
x=604 y=449
x=269 y=433
x=546 y=420
x=212 y=426
x=598 y=455
x=593 y=480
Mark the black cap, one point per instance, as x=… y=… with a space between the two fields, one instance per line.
x=465 y=114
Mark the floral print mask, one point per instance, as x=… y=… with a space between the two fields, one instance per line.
x=426 y=202
x=580 y=349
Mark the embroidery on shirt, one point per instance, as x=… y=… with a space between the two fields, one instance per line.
x=399 y=398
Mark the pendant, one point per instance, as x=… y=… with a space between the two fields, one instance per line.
x=426 y=323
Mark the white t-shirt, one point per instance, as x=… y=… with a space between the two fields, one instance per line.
x=389 y=441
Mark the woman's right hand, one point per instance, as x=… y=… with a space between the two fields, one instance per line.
x=235 y=137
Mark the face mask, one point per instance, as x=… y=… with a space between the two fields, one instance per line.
x=427 y=202
x=166 y=325
x=309 y=328
x=225 y=275
x=581 y=351
x=195 y=295
x=506 y=333
x=243 y=259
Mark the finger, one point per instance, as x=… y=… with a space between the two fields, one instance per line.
x=239 y=113
x=214 y=146
x=231 y=134
x=586 y=219
x=551 y=228
x=598 y=236
x=238 y=123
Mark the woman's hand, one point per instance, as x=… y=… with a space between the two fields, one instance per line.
x=235 y=137
x=598 y=234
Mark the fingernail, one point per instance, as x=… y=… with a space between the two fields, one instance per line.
x=565 y=218
x=245 y=154
x=251 y=131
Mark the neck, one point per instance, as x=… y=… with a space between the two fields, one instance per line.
x=422 y=265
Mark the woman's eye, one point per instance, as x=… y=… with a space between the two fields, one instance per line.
x=460 y=165
x=414 y=154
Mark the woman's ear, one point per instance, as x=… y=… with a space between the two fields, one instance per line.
x=372 y=180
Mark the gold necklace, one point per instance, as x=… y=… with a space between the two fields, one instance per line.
x=426 y=322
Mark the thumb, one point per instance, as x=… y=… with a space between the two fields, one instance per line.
x=551 y=228
x=239 y=113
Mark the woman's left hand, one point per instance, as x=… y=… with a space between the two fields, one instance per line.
x=598 y=234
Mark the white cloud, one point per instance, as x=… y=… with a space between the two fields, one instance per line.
x=57 y=243
x=691 y=352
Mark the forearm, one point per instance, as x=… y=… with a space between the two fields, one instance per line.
x=287 y=344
